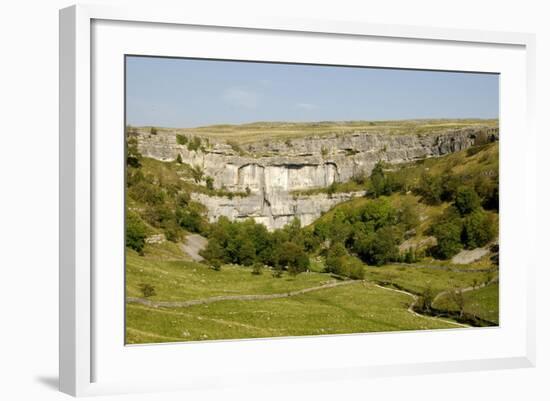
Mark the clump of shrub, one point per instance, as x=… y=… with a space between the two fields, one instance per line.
x=448 y=236
x=409 y=256
x=194 y=143
x=197 y=173
x=181 y=139
x=216 y=264
x=478 y=229
x=133 y=156
x=209 y=183
x=147 y=290
x=256 y=269
x=430 y=189
x=466 y=200
x=136 y=232
x=277 y=272
x=426 y=299
x=382 y=183
x=339 y=262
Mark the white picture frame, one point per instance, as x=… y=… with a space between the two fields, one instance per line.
x=84 y=350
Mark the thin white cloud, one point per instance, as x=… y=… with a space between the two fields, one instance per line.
x=241 y=97
x=306 y=106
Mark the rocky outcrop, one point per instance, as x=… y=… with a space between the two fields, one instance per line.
x=274 y=210
x=271 y=170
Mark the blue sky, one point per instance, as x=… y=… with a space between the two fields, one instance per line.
x=171 y=92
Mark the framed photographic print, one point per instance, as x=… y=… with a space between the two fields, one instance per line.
x=273 y=198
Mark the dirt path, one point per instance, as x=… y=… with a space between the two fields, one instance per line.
x=194 y=243
x=260 y=297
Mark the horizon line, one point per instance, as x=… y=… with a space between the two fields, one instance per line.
x=317 y=122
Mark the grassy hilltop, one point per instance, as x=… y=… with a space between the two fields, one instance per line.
x=264 y=131
x=383 y=262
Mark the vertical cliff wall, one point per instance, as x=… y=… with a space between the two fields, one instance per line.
x=270 y=170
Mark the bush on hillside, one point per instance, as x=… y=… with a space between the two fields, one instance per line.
x=478 y=229
x=194 y=143
x=136 y=232
x=466 y=200
x=181 y=139
x=430 y=189
x=448 y=234
x=147 y=290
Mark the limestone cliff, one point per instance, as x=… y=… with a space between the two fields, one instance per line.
x=271 y=170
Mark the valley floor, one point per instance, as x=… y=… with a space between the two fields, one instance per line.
x=193 y=302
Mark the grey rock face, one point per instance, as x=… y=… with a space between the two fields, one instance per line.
x=275 y=210
x=272 y=170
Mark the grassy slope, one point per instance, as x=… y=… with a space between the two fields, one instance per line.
x=179 y=177
x=259 y=131
x=417 y=279
x=482 y=302
x=356 y=308
x=176 y=280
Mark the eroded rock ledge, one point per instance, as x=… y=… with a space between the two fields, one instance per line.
x=271 y=171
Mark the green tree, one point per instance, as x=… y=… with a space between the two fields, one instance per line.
x=136 y=232
x=426 y=300
x=448 y=238
x=449 y=185
x=334 y=259
x=383 y=247
x=430 y=189
x=257 y=269
x=407 y=214
x=352 y=267
x=247 y=251
x=478 y=229
x=378 y=180
x=213 y=250
x=133 y=156
x=190 y=218
x=466 y=200
x=339 y=229
x=379 y=213
x=294 y=258
x=410 y=256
